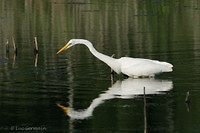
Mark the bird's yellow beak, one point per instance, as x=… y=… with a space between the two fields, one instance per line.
x=65 y=109
x=62 y=49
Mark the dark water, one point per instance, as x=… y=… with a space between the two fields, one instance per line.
x=35 y=91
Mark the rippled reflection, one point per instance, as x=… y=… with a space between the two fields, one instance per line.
x=126 y=89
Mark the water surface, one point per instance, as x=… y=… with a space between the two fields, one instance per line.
x=32 y=88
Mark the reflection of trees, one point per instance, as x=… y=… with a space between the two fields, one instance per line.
x=134 y=28
x=136 y=25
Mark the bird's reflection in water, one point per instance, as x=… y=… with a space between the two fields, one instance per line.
x=126 y=89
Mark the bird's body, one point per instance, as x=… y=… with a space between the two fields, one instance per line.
x=138 y=67
x=132 y=67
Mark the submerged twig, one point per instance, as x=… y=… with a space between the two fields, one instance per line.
x=112 y=73
x=7 y=49
x=14 y=60
x=14 y=45
x=145 y=116
x=36 y=45
x=187 y=101
x=7 y=46
x=36 y=59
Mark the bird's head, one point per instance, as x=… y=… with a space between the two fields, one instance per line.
x=71 y=43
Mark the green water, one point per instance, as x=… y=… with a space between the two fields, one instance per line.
x=31 y=88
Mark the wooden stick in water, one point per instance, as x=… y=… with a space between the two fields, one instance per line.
x=14 y=60
x=112 y=74
x=36 y=45
x=145 y=114
x=187 y=99
x=7 y=46
x=36 y=59
x=7 y=49
x=14 y=45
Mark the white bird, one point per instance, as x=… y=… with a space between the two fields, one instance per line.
x=132 y=67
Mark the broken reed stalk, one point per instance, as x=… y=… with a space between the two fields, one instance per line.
x=187 y=99
x=14 y=45
x=36 y=45
x=14 y=60
x=112 y=79
x=7 y=49
x=36 y=59
x=112 y=72
x=7 y=46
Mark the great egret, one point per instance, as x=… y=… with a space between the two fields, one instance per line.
x=132 y=67
x=126 y=89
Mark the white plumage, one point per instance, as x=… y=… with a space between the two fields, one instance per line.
x=135 y=67
x=132 y=67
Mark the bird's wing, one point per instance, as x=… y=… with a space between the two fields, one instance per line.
x=143 y=67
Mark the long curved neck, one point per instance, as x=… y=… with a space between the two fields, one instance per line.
x=112 y=62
